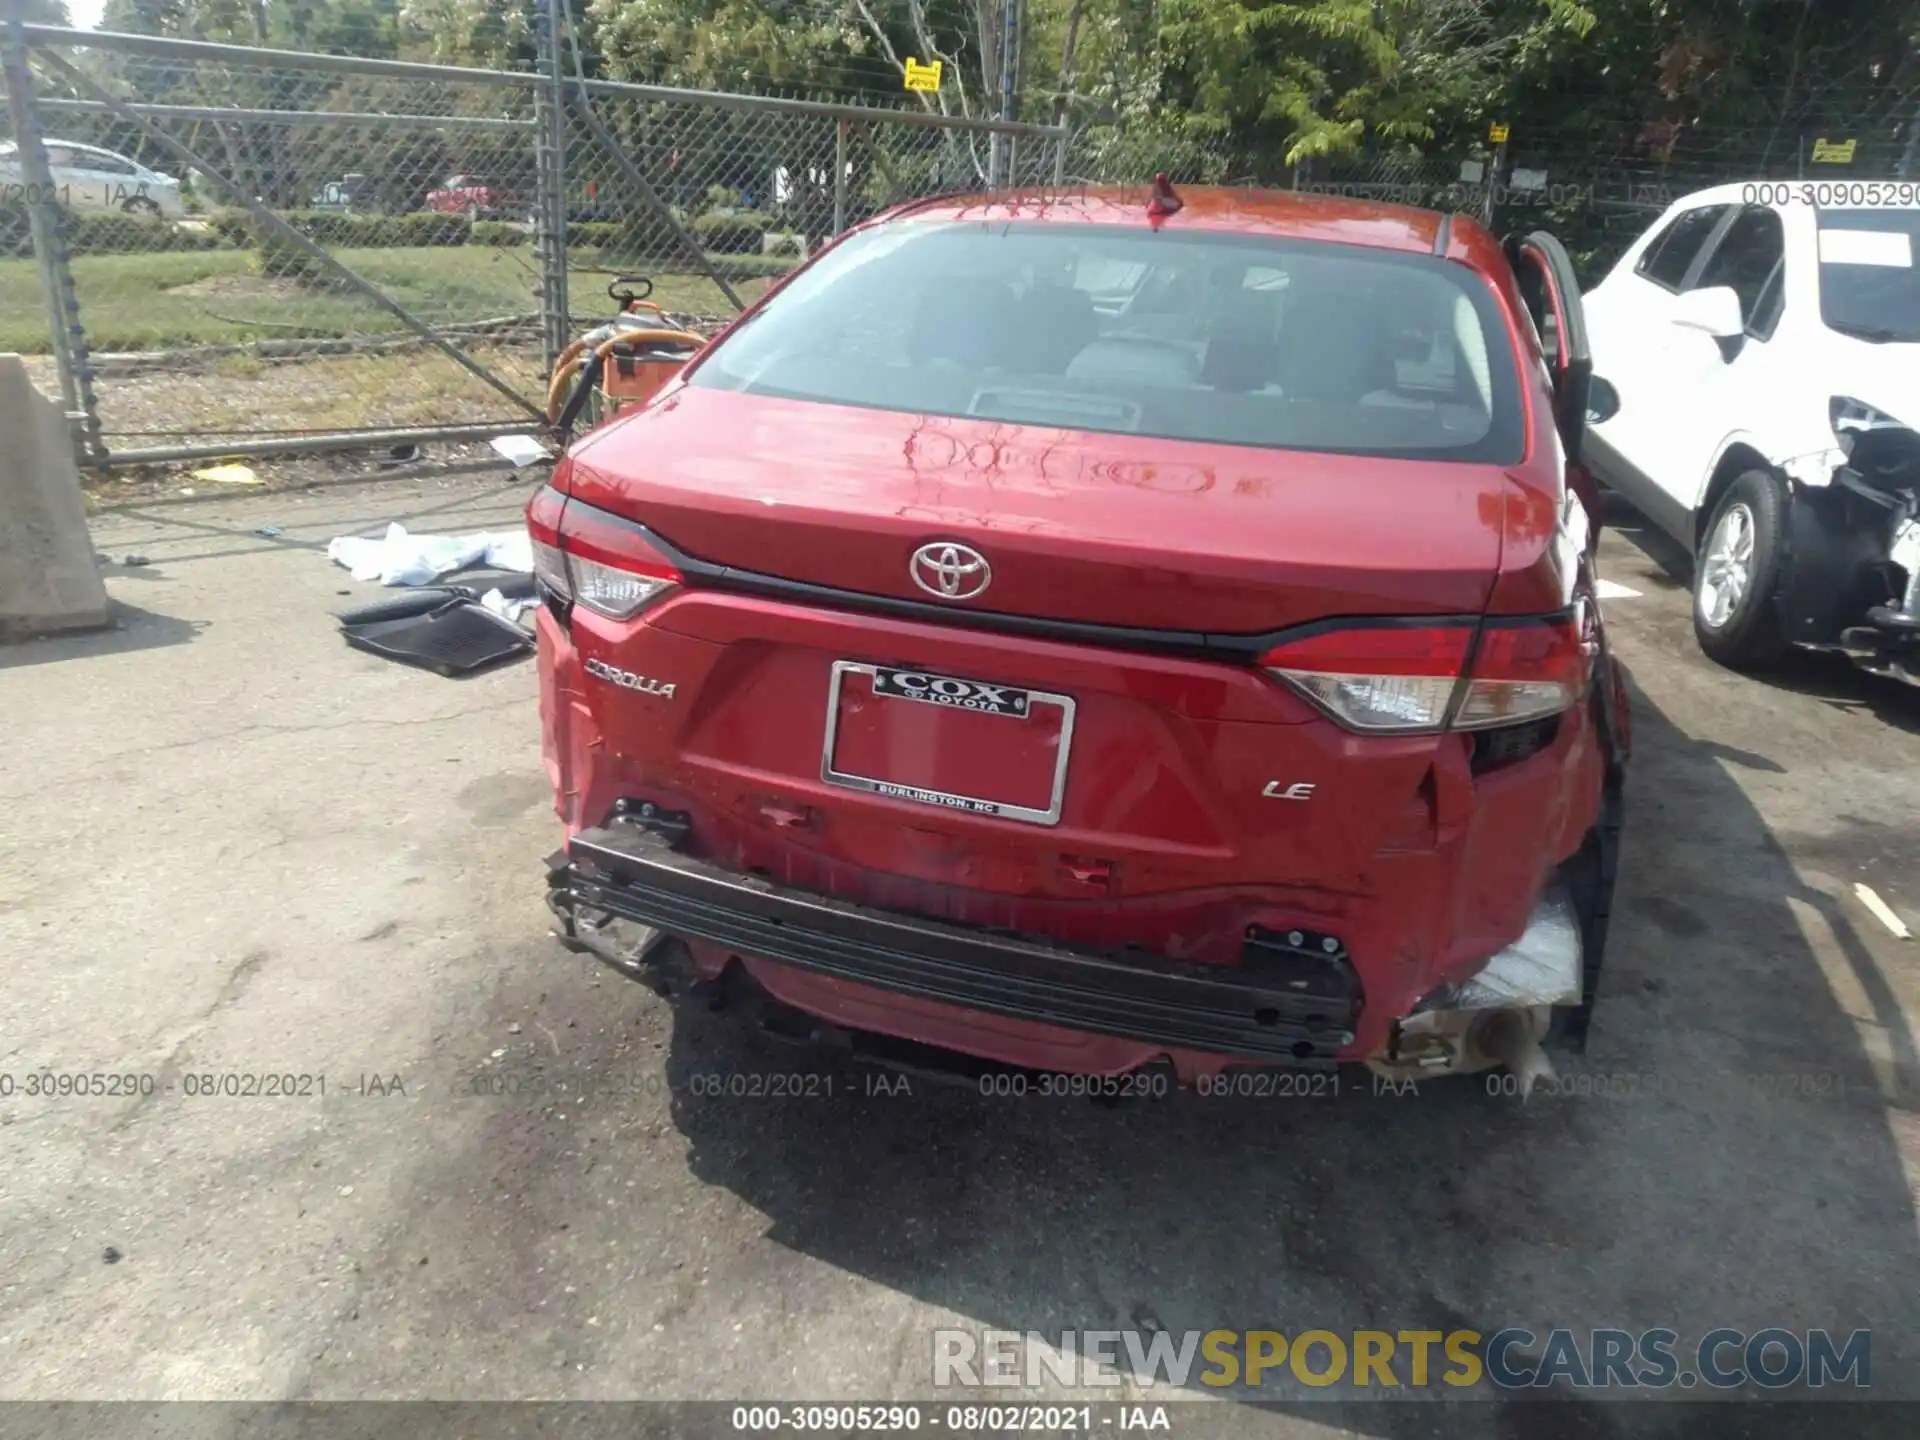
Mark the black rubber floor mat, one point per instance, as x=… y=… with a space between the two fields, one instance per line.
x=406 y=603
x=512 y=584
x=457 y=639
x=419 y=599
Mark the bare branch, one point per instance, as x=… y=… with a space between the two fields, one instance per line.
x=1065 y=87
x=918 y=11
x=893 y=57
x=986 y=28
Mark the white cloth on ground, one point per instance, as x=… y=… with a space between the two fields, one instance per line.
x=508 y=609
x=399 y=558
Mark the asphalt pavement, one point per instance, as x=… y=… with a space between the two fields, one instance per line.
x=377 y=1136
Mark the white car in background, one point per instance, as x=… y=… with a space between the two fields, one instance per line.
x=86 y=177
x=1756 y=357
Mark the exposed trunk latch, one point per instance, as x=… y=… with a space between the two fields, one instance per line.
x=671 y=825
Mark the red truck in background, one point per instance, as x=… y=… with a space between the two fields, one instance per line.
x=473 y=196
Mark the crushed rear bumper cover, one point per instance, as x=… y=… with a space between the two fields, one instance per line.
x=1260 y=1010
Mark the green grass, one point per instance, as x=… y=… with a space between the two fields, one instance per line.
x=132 y=302
x=399 y=389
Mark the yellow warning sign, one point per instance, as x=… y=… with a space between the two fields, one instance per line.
x=922 y=77
x=1833 y=152
x=1497 y=133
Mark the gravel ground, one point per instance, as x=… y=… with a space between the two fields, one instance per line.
x=223 y=401
x=171 y=484
x=210 y=397
x=235 y=846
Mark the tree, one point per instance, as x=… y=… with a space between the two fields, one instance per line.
x=748 y=45
x=491 y=34
x=1202 y=88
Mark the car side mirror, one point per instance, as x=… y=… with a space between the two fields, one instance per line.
x=1603 y=401
x=1714 y=311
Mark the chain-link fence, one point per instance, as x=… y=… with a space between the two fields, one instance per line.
x=1595 y=202
x=215 y=250
x=212 y=249
x=717 y=195
x=1596 y=206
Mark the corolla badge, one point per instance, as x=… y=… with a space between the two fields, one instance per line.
x=952 y=572
x=628 y=680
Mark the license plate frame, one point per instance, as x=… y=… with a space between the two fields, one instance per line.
x=940 y=799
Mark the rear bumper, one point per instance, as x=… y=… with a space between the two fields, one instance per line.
x=1292 y=1001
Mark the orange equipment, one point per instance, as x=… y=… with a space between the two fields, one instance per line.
x=625 y=362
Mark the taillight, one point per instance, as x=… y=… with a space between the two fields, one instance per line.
x=1377 y=677
x=543 y=529
x=1523 y=671
x=1408 y=678
x=594 y=559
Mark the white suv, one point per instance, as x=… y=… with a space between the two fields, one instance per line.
x=1757 y=396
x=86 y=177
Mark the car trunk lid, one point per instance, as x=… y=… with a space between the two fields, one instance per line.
x=1103 y=529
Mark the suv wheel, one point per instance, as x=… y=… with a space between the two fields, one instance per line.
x=142 y=207
x=1737 y=572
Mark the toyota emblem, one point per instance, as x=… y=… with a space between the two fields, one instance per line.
x=952 y=572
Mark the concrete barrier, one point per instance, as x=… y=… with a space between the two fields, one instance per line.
x=49 y=582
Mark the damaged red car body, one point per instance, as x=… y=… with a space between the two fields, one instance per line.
x=1087 y=634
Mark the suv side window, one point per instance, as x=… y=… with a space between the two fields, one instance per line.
x=1748 y=259
x=1773 y=298
x=101 y=162
x=1674 y=249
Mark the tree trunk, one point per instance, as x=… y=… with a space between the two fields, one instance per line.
x=1064 y=88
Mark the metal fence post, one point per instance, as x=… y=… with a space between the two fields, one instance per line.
x=68 y=339
x=839 y=174
x=1490 y=196
x=308 y=124
x=612 y=150
x=266 y=218
x=1000 y=163
x=550 y=209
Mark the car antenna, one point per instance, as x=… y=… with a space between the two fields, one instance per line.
x=1165 y=200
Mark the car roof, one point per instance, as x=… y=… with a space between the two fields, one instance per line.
x=1734 y=192
x=83 y=145
x=1277 y=213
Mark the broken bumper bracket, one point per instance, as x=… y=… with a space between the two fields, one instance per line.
x=628 y=872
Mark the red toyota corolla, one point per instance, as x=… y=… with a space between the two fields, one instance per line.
x=1099 y=634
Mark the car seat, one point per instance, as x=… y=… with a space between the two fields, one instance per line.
x=1057 y=322
x=969 y=323
x=1332 y=349
x=1242 y=352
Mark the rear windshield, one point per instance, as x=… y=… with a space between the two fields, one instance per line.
x=1869 y=284
x=1116 y=328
